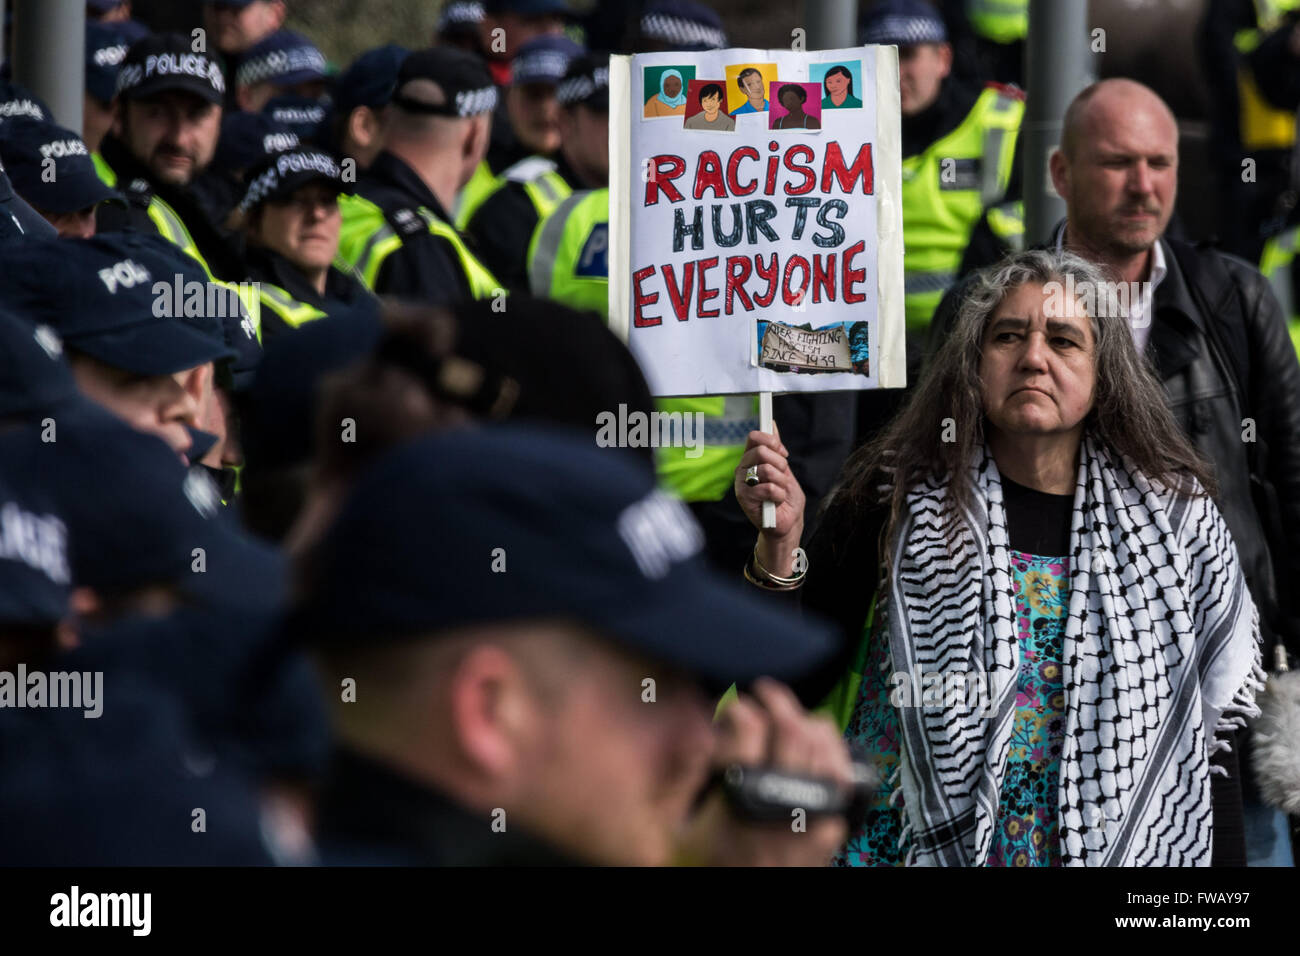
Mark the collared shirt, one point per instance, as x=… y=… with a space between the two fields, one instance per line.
x=1139 y=310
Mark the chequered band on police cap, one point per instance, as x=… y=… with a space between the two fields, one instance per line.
x=461 y=13
x=280 y=63
x=541 y=64
x=287 y=165
x=906 y=31
x=578 y=88
x=678 y=31
x=196 y=65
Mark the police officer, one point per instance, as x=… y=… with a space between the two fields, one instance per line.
x=291 y=214
x=458 y=25
x=680 y=25
x=284 y=63
x=246 y=140
x=165 y=129
x=958 y=150
x=397 y=230
x=988 y=39
x=618 y=789
x=1247 y=122
x=236 y=26
x=148 y=365
x=51 y=168
x=106 y=46
x=19 y=221
x=1279 y=266
x=530 y=189
x=362 y=93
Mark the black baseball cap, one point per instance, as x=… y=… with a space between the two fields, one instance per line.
x=284 y=58
x=306 y=117
x=588 y=538
x=33 y=375
x=16 y=100
x=247 y=139
x=114 y=297
x=136 y=516
x=283 y=174
x=370 y=80
x=162 y=63
x=464 y=79
x=586 y=83
x=35 y=581
x=106 y=46
x=69 y=185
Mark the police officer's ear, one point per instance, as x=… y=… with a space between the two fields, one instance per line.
x=944 y=52
x=475 y=144
x=363 y=127
x=277 y=12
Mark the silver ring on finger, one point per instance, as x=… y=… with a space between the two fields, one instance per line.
x=751 y=475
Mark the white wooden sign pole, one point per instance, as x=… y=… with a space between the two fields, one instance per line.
x=765 y=425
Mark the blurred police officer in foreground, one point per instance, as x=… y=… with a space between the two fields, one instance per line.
x=18 y=221
x=291 y=214
x=549 y=703
x=397 y=230
x=502 y=225
x=153 y=371
x=362 y=93
x=167 y=120
x=51 y=168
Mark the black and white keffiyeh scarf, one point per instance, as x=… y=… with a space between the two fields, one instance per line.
x=1160 y=651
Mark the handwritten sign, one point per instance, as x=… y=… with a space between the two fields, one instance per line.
x=740 y=212
x=823 y=350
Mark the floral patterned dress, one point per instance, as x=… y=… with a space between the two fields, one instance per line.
x=1027 y=817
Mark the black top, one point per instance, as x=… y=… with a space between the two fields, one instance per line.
x=1037 y=522
x=372 y=813
x=343 y=292
x=426 y=268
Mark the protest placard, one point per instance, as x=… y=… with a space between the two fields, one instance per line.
x=756 y=237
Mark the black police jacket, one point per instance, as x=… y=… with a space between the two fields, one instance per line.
x=220 y=249
x=343 y=291
x=370 y=813
x=426 y=268
x=1216 y=376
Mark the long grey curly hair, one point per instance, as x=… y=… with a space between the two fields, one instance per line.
x=1129 y=414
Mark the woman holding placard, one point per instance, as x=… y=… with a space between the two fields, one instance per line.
x=1054 y=633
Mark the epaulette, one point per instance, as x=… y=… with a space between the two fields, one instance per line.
x=406 y=221
x=139 y=192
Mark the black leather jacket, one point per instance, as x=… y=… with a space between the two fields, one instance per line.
x=1263 y=514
